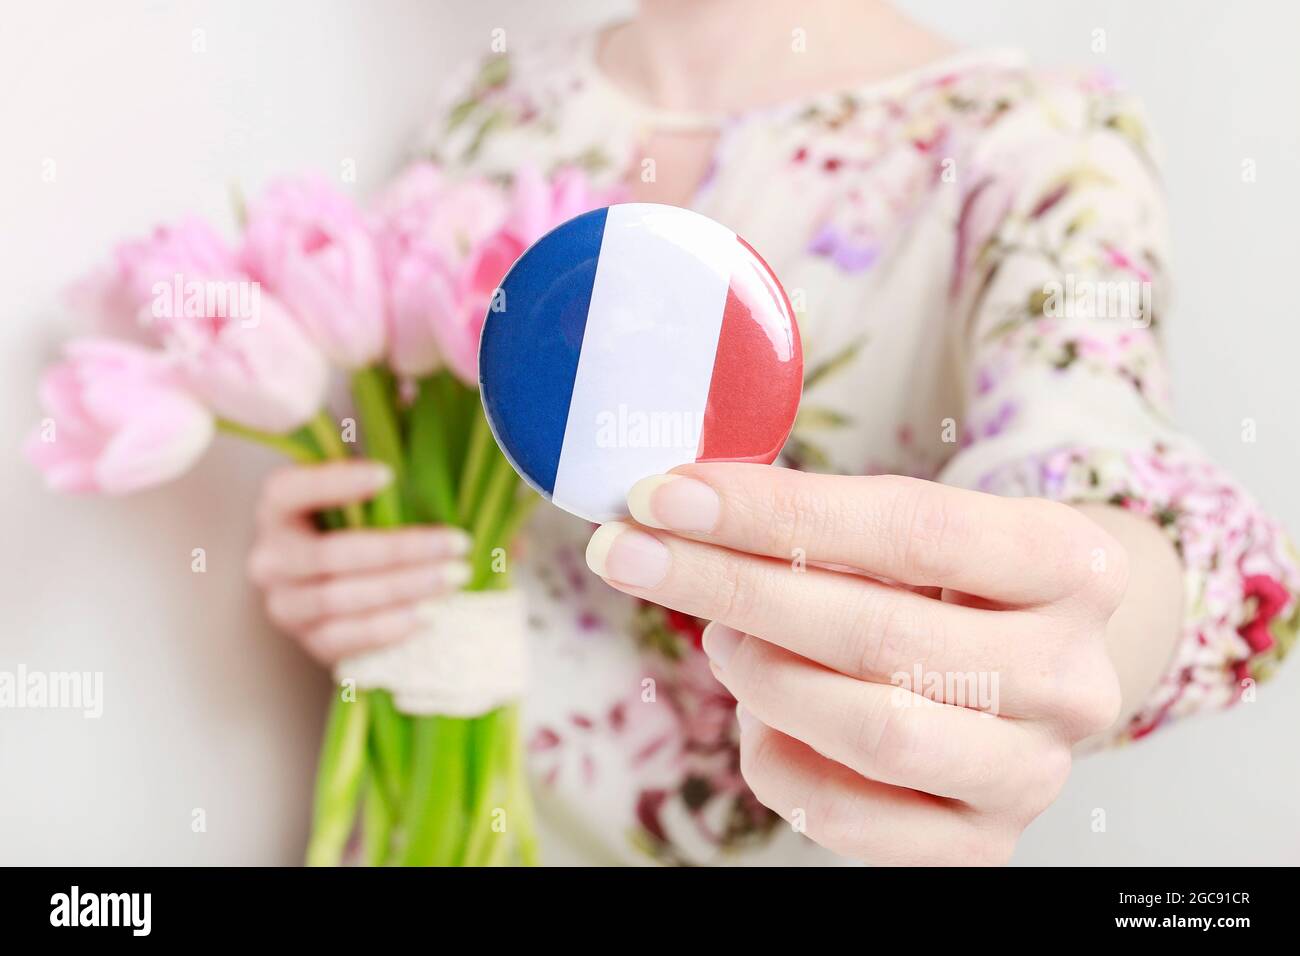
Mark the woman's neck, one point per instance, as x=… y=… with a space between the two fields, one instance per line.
x=727 y=56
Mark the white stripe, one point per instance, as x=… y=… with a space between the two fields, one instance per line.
x=647 y=354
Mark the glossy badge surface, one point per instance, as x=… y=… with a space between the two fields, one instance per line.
x=633 y=339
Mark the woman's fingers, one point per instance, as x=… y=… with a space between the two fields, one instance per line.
x=343 y=592
x=293 y=605
x=335 y=638
x=1015 y=551
x=294 y=554
x=291 y=493
x=888 y=733
x=849 y=623
x=859 y=818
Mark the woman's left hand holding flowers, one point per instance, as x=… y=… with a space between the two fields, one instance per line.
x=913 y=662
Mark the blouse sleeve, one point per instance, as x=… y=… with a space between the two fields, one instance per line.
x=1059 y=287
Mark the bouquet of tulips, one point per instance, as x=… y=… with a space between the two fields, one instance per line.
x=195 y=335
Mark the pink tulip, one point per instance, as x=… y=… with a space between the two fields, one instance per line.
x=412 y=348
x=258 y=370
x=458 y=302
x=117 y=421
x=234 y=346
x=447 y=246
x=539 y=205
x=121 y=297
x=425 y=210
x=310 y=245
x=428 y=228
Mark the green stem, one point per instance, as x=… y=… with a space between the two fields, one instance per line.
x=447 y=809
x=460 y=406
x=390 y=743
x=285 y=444
x=476 y=463
x=517 y=795
x=487 y=734
x=376 y=822
x=383 y=441
x=415 y=845
x=520 y=511
x=338 y=780
x=431 y=480
x=325 y=431
x=491 y=516
x=435 y=810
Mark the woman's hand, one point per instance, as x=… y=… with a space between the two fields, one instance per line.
x=341 y=592
x=860 y=699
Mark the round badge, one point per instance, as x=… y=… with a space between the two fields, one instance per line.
x=633 y=339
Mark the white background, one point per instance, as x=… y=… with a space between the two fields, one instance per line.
x=207 y=708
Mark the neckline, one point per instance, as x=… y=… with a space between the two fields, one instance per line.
x=657 y=117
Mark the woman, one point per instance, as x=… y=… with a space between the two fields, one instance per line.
x=977 y=255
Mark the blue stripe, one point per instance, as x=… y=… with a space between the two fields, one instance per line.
x=528 y=355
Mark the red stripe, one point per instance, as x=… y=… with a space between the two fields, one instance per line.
x=758 y=370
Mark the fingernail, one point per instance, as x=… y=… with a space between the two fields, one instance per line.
x=745 y=718
x=455 y=574
x=674 y=503
x=628 y=556
x=720 y=642
x=451 y=542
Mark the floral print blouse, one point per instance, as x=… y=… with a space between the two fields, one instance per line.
x=977 y=255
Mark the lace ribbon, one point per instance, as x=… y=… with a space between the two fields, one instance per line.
x=468 y=657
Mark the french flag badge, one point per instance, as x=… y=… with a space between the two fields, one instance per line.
x=633 y=339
